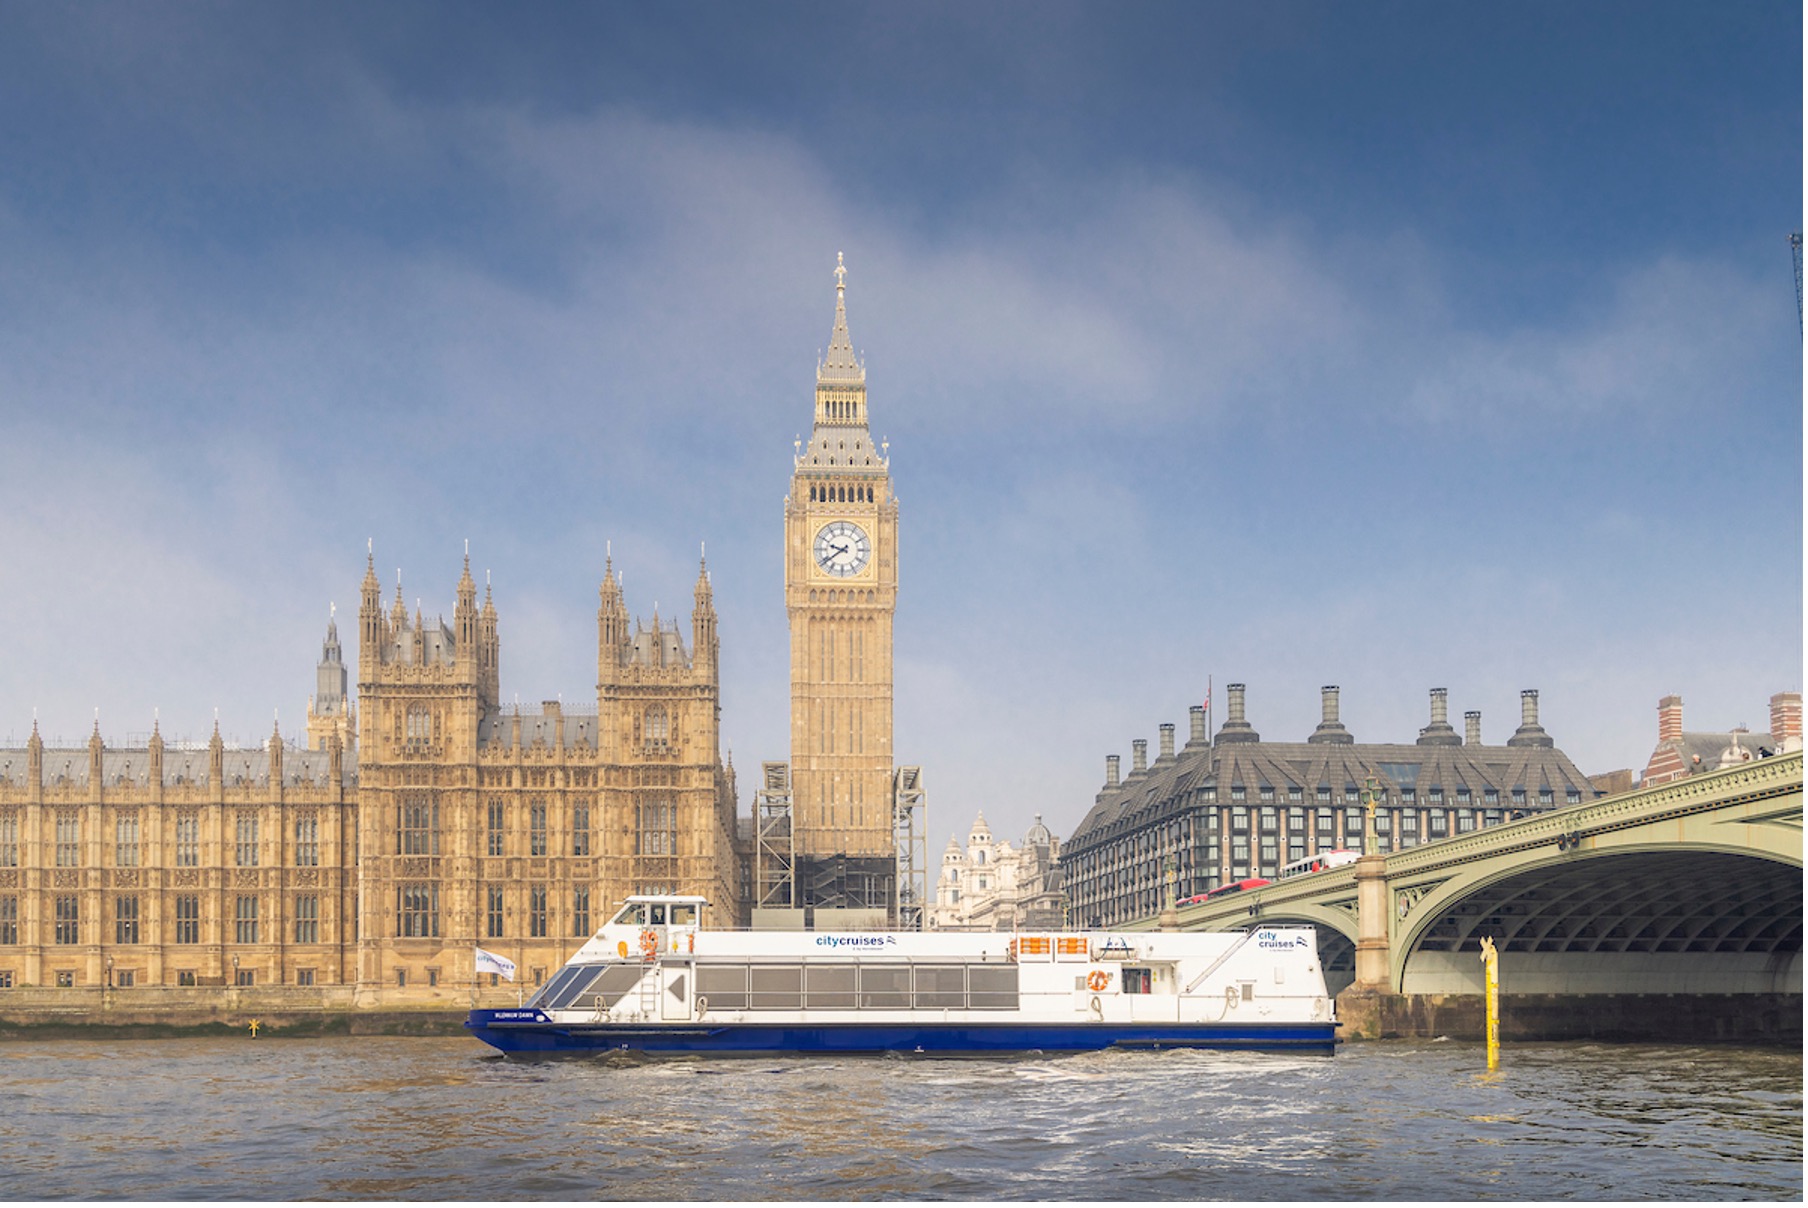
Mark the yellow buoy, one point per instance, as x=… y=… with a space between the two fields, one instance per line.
x=1491 y=982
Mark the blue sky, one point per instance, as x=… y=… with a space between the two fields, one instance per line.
x=1393 y=346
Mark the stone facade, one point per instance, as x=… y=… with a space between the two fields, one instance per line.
x=841 y=591
x=1236 y=807
x=453 y=821
x=990 y=885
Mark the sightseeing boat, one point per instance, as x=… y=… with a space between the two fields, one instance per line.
x=654 y=980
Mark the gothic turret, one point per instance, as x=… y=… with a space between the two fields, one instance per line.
x=703 y=623
x=464 y=621
x=370 y=619
x=611 y=623
x=330 y=708
x=489 y=652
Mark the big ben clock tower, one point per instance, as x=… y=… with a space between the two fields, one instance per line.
x=841 y=589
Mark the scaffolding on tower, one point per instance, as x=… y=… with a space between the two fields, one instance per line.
x=774 y=842
x=910 y=827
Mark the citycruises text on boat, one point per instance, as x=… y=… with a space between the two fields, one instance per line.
x=654 y=980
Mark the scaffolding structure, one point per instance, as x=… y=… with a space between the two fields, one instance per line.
x=774 y=840
x=910 y=826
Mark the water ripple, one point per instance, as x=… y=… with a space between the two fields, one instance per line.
x=440 y=1119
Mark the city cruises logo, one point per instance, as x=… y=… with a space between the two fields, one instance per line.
x=1270 y=939
x=856 y=941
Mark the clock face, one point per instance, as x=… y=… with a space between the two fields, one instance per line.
x=842 y=548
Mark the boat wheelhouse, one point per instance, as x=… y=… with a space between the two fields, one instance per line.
x=654 y=979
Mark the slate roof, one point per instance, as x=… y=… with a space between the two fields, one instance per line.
x=1172 y=782
x=131 y=766
x=496 y=728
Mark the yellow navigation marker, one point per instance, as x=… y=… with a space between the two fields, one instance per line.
x=254 y=1027
x=1491 y=962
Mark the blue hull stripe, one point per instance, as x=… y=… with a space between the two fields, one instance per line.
x=548 y=1038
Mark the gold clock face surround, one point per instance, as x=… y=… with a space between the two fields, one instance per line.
x=842 y=548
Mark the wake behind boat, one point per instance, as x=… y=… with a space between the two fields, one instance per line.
x=654 y=980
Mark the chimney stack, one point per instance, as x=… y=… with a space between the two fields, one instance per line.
x=1167 y=740
x=1439 y=733
x=1235 y=729
x=1196 y=715
x=1330 y=729
x=1111 y=771
x=1472 y=727
x=1139 y=757
x=1669 y=719
x=1786 y=721
x=1530 y=733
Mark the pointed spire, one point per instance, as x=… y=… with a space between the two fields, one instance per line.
x=840 y=364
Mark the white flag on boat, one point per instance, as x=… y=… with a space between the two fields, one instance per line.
x=489 y=962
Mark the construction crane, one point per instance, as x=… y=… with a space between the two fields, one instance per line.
x=1795 y=250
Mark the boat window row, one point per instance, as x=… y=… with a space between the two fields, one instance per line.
x=850 y=986
x=587 y=987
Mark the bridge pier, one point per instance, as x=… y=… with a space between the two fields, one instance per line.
x=1373 y=954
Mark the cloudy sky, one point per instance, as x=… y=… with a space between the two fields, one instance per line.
x=1393 y=346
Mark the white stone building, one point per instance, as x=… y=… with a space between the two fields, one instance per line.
x=991 y=885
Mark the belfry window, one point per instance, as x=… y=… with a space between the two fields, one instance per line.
x=420 y=724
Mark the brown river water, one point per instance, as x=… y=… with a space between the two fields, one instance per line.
x=446 y=1119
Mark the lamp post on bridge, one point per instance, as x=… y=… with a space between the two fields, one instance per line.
x=1371 y=796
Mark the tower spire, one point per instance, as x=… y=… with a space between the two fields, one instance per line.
x=839 y=364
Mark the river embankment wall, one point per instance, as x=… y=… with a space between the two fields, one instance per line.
x=1653 y=1018
x=1364 y=1015
x=184 y=1010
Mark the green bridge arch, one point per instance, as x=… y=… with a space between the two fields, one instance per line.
x=1690 y=887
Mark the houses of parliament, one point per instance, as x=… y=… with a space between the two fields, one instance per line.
x=423 y=819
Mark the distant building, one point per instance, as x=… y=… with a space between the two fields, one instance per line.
x=1238 y=807
x=991 y=886
x=1682 y=753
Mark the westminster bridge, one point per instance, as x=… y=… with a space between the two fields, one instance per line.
x=1673 y=912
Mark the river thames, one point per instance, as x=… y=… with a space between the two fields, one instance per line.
x=444 y=1119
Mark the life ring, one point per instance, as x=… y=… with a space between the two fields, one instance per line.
x=1098 y=979
x=691 y=939
x=649 y=945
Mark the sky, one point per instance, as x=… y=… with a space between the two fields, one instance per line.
x=1395 y=346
